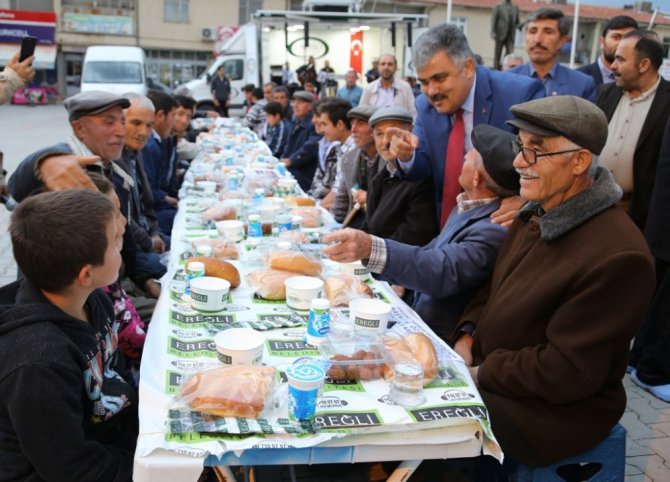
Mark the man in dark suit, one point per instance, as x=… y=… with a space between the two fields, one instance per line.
x=302 y=149
x=453 y=86
x=546 y=32
x=613 y=32
x=650 y=355
x=636 y=121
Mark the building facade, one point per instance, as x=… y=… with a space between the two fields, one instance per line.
x=180 y=36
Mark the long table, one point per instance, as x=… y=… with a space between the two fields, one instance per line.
x=358 y=423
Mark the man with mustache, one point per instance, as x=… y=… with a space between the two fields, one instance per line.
x=546 y=32
x=547 y=337
x=615 y=29
x=457 y=95
x=387 y=90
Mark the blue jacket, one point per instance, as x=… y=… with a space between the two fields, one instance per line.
x=303 y=150
x=278 y=136
x=446 y=273
x=160 y=166
x=566 y=82
x=495 y=93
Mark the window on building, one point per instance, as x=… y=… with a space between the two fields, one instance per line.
x=247 y=8
x=176 y=11
x=460 y=22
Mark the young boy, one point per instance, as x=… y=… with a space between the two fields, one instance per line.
x=65 y=413
x=279 y=128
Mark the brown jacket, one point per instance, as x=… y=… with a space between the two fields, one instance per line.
x=553 y=325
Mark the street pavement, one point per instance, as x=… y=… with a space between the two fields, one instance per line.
x=647 y=419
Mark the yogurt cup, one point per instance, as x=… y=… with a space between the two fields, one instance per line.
x=209 y=293
x=356 y=269
x=231 y=229
x=368 y=314
x=237 y=346
x=301 y=290
x=304 y=382
x=287 y=183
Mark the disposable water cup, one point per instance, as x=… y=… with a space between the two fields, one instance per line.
x=407 y=385
x=368 y=314
x=231 y=229
x=237 y=346
x=209 y=293
x=301 y=290
x=304 y=382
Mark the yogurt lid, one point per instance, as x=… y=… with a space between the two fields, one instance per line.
x=306 y=372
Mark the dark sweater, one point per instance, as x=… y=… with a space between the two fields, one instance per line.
x=401 y=210
x=65 y=414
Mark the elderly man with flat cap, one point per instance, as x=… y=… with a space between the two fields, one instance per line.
x=355 y=167
x=446 y=273
x=97 y=139
x=547 y=337
x=98 y=136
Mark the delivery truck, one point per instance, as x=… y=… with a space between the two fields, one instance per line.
x=258 y=50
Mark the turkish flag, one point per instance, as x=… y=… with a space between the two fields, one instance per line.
x=356 y=52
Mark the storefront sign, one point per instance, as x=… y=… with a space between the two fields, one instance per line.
x=98 y=24
x=16 y=24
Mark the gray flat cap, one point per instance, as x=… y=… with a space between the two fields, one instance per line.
x=572 y=117
x=495 y=147
x=303 y=95
x=93 y=102
x=363 y=112
x=392 y=112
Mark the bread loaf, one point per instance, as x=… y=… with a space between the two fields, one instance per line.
x=413 y=347
x=299 y=201
x=295 y=262
x=340 y=289
x=269 y=283
x=218 y=269
x=230 y=391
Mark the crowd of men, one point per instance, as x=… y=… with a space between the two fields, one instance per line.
x=522 y=214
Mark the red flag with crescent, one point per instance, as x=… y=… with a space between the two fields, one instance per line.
x=356 y=52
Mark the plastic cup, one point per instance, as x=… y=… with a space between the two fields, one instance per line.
x=301 y=290
x=231 y=229
x=304 y=382
x=407 y=384
x=368 y=314
x=239 y=346
x=209 y=293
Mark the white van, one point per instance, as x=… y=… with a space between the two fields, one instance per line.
x=115 y=69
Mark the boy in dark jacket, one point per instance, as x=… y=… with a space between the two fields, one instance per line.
x=279 y=128
x=65 y=413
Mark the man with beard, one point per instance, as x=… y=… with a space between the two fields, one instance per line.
x=615 y=29
x=637 y=106
x=387 y=90
x=546 y=32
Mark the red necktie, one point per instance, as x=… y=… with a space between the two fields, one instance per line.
x=452 y=167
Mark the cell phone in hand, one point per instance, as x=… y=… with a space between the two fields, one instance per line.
x=28 y=45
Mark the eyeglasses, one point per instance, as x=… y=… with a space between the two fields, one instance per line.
x=530 y=155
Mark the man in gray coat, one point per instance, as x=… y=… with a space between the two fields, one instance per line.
x=504 y=20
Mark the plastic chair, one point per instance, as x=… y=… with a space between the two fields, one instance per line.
x=606 y=462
